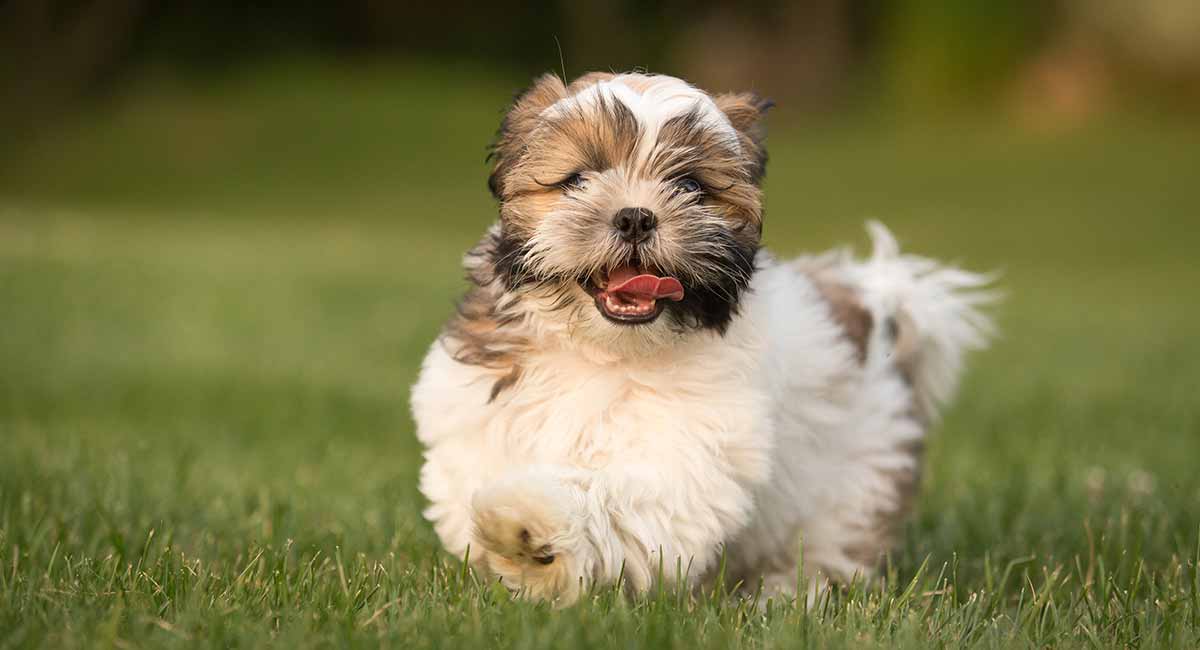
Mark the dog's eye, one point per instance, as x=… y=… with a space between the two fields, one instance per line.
x=687 y=185
x=572 y=182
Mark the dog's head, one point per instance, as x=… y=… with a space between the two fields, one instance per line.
x=629 y=204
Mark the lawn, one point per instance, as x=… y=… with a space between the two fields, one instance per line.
x=213 y=299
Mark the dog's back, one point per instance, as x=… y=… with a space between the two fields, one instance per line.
x=852 y=408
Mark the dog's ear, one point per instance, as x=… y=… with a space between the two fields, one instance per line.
x=745 y=112
x=518 y=123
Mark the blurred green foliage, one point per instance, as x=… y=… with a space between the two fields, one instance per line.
x=1062 y=57
x=948 y=52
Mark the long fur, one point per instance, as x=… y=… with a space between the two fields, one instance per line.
x=785 y=402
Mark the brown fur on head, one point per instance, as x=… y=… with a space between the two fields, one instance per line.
x=570 y=157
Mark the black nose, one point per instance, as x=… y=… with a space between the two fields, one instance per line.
x=635 y=224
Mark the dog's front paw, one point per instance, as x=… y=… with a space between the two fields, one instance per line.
x=530 y=532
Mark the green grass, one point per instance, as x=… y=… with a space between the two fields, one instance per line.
x=213 y=299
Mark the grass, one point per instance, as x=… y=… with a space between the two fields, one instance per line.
x=215 y=296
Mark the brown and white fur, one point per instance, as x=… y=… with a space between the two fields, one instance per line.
x=776 y=402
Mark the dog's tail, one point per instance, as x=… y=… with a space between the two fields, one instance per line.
x=930 y=316
x=925 y=316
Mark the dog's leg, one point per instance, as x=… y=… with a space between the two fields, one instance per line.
x=535 y=532
x=787 y=588
x=668 y=522
x=552 y=531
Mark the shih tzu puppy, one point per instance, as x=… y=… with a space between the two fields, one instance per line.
x=632 y=387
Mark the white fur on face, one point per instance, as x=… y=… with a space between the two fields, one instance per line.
x=659 y=99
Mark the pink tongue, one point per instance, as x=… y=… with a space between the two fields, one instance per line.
x=623 y=283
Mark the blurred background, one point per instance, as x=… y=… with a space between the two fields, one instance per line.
x=1064 y=59
x=229 y=231
x=128 y=100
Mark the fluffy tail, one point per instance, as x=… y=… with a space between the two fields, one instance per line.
x=931 y=313
x=926 y=315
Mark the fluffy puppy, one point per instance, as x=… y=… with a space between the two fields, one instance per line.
x=631 y=384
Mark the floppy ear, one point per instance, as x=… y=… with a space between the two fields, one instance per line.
x=745 y=112
x=518 y=123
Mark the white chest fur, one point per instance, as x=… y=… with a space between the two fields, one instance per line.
x=700 y=408
x=569 y=409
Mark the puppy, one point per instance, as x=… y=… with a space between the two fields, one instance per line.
x=632 y=386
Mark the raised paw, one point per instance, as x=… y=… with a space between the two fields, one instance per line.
x=529 y=532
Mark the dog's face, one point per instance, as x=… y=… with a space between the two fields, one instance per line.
x=629 y=204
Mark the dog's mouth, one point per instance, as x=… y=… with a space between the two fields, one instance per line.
x=631 y=294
